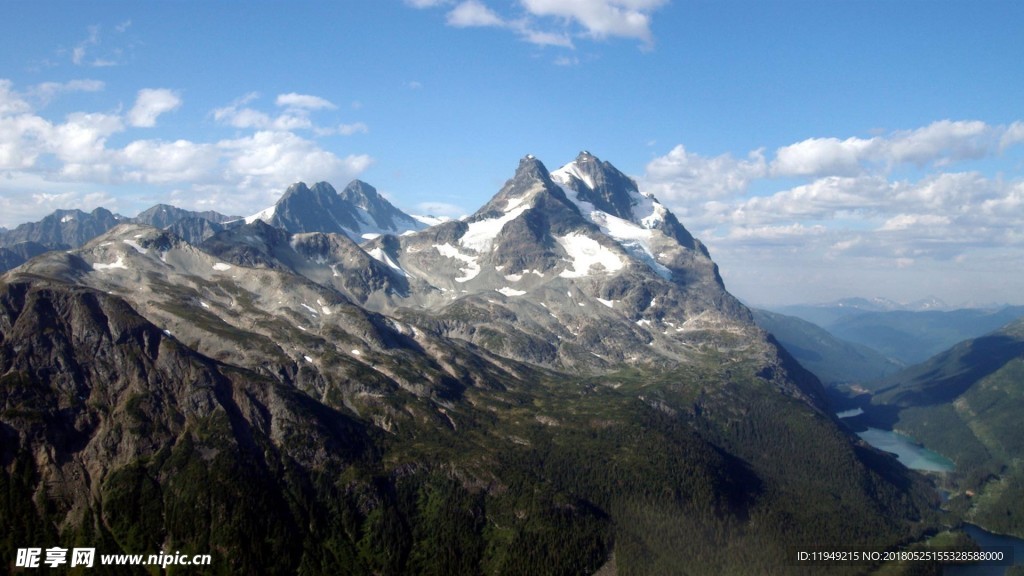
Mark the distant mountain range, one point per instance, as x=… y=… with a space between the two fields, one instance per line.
x=358 y=211
x=331 y=386
x=905 y=336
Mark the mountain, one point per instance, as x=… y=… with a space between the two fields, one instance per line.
x=905 y=333
x=63 y=228
x=358 y=211
x=560 y=377
x=165 y=215
x=71 y=228
x=17 y=254
x=966 y=404
x=912 y=337
x=833 y=360
x=542 y=275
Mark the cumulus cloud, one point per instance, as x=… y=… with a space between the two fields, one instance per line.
x=850 y=202
x=59 y=158
x=280 y=158
x=823 y=156
x=160 y=162
x=150 y=104
x=683 y=176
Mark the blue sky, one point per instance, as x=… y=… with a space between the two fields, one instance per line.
x=821 y=149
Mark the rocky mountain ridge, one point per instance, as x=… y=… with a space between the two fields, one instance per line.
x=557 y=376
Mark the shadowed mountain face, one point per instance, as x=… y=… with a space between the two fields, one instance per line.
x=357 y=211
x=833 y=360
x=557 y=377
x=164 y=216
x=63 y=228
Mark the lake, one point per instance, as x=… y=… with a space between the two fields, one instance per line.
x=909 y=453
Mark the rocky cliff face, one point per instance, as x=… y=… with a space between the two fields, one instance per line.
x=357 y=211
x=63 y=228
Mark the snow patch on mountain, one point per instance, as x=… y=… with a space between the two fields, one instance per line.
x=585 y=253
x=472 y=267
x=136 y=246
x=119 y=263
x=635 y=235
x=511 y=291
x=265 y=215
x=430 y=220
x=480 y=235
x=379 y=255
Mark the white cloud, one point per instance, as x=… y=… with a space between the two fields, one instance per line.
x=440 y=209
x=816 y=156
x=1014 y=134
x=242 y=117
x=602 y=18
x=296 y=115
x=907 y=221
x=555 y=22
x=84 y=53
x=82 y=139
x=150 y=104
x=682 y=176
x=10 y=101
x=79 y=51
x=159 y=162
x=277 y=159
x=21 y=201
x=471 y=13
x=61 y=158
x=304 y=101
x=847 y=211
x=943 y=142
x=353 y=128
x=47 y=91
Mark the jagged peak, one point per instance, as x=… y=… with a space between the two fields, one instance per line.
x=530 y=179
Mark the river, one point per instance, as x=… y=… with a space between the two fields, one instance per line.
x=987 y=541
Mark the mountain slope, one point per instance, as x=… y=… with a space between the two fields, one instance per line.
x=832 y=360
x=966 y=404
